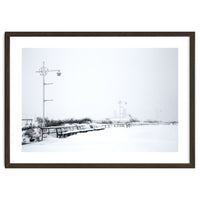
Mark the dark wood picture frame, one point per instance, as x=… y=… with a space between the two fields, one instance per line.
x=191 y=163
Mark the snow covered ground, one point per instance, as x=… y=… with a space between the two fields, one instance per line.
x=146 y=138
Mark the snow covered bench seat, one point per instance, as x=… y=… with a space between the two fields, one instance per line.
x=68 y=130
x=63 y=132
x=99 y=128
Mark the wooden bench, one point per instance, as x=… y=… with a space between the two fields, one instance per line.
x=63 y=131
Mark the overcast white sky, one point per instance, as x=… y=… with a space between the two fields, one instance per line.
x=94 y=80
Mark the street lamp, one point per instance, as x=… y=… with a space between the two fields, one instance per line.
x=43 y=71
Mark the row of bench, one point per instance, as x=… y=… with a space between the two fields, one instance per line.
x=68 y=131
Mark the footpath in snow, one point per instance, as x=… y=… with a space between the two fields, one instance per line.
x=146 y=138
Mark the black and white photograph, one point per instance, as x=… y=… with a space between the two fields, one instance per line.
x=106 y=99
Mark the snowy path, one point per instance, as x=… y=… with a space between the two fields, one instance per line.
x=149 y=138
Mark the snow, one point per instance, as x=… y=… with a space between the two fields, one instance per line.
x=146 y=138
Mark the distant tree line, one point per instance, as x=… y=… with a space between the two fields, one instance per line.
x=152 y=121
x=52 y=122
x=106 y=121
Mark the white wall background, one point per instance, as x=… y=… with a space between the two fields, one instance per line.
x=104 y=15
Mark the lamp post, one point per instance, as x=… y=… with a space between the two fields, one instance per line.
x=43 y=71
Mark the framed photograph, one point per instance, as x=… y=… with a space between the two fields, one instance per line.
x=99 y=99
